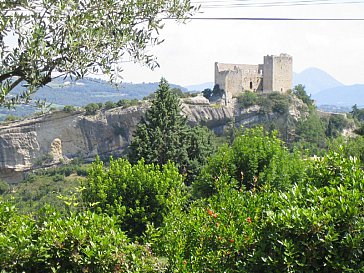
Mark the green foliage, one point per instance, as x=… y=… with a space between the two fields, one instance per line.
x=91 y=108
x=110 y=105
x=127 y=103
x=217 y=92
x=207 y=93
x=69 y=108
x=163 y=135
x=248 y=99
x=254 y=161
x=307 y=228
x=201 y=144
x=39 y=190
x=336 y=124
x=279 y=103
x=79 y=42
x=4 y=187
x=80 y=242
x=300 y=92
x=357 y=113
x=139 y=195
x=179 y=92
x=311 y=133
x=11 y=118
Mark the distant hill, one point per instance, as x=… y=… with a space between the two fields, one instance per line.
x=315 y=80
x=341 y=96
x=90 y=90
x=62 y=92
x=200 y=87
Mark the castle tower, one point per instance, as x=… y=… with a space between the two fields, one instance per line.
x=277 y=73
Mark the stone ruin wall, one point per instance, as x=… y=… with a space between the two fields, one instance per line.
x=238 y=77
x=274 y=75
x=282 y=80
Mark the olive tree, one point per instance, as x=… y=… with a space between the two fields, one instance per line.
x=43 y=39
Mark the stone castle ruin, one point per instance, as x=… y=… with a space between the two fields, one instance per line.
x=275 y=74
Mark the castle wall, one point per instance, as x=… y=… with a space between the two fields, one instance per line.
x=277 y=73
x=282 y=74
x=268 y=74
x=235 y=78
x=229 y=78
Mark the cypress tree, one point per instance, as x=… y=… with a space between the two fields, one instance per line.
x=162 y=135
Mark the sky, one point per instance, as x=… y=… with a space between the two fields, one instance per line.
x=190 y=50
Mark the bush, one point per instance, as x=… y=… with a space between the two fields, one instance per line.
x=139 y=195
x=11 y=118
x=80 y=242
x=110 y=105
x=248 y=99
x=91 y=108
x=69 y=108
x=127 y=103
x=307 y=228
x=255 y=160
x=58 y=178
x=4 y=187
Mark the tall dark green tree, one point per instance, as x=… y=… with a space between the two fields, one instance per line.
x=163 y=135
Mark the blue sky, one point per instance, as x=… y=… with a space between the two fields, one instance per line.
x=188 y=54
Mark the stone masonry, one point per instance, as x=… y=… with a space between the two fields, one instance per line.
x=275 y=74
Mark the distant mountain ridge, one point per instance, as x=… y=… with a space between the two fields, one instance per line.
x=315 y=80
x=346 y=95
x=62 y=92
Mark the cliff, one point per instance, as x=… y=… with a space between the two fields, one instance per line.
x=60 y=136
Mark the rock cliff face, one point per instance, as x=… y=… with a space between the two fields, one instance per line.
x=60 y=136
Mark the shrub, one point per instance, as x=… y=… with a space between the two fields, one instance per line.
x=248 y=99
x=110 y=105
x=80 y=242
x=4 y=187
x=91 y=108
x=127 y=103
x=307 y=228
x=58 y=178
x=69 y=108
x=138 y=195
x=256 y=159
x=11 y=118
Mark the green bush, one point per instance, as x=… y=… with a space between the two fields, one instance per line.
x=4 y=187
x=58 y=178
x=307 y=228
x=248 y=99
x=127 y=103
x=69 y=108
x=91 y=108
x=11 y=118
x=256 y=159
x=110 y=105
x=139 y=195
x=81 y=242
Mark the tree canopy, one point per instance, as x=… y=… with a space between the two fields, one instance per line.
x=43 y=39
x=164 y=135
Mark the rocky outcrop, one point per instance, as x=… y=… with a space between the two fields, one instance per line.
x=59 y=136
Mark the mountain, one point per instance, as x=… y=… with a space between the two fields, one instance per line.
x=200 y=87
x=315 y=80
x=62 y=92
x=341 y=96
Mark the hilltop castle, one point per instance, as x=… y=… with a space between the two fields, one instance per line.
x=275 y=74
